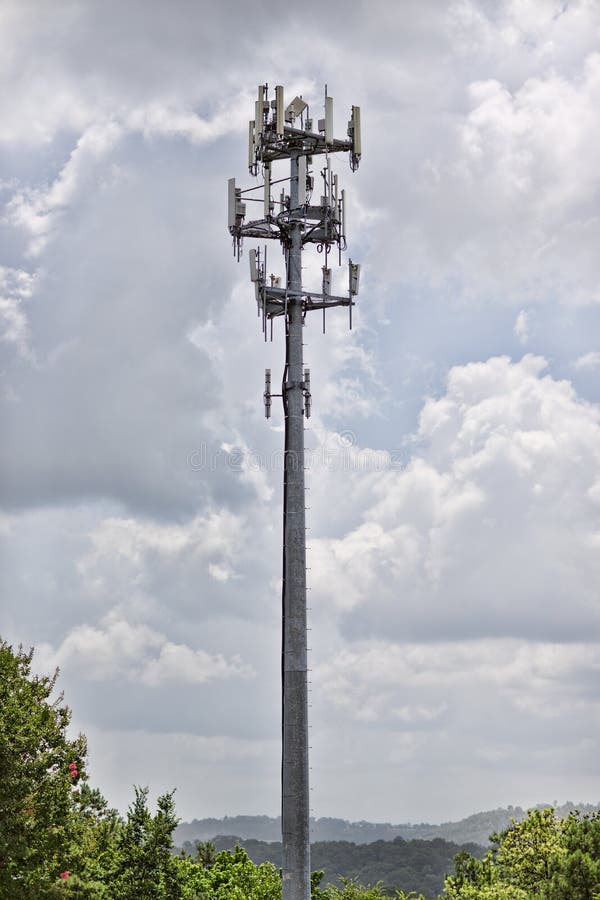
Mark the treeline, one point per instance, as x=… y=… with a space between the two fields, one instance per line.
x=416 y=865
x=475 y=829
x=59 y=839
x=544 y=857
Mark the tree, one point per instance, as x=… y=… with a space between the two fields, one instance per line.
x=40 y=769
x=577 y=873
x=145 y=863
x=351 y=890
x=93 y=857
x=234 y=876
x=530 y=850
x=541 y=858
x=205 y=853
x=315 y=881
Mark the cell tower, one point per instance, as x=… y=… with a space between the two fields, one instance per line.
x=280 y=132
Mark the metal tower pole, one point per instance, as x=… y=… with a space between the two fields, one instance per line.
x=277 y=133
x=295 y=802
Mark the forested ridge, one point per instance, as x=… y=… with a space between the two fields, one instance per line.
x=59 y=838
x=416 y=865
x=474 y=829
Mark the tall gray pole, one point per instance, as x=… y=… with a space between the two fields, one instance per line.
x=294 y=769
x=276 y=133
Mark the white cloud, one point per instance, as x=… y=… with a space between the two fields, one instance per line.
x=160 y=119
x=588 y=361
x=180 y=664
x=490 y=529
x=37 y=210
x=116 y=649
x=502 y=204
x=131 y=560
x=522 y=326
x=217 y=533
x=418 y=703
x=376 y=675
x=16 y=287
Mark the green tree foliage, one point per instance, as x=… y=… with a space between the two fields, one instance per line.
x=40 y=768
x=350 y=889
x=93 y=852
x=540 y=858
x=419 y=866
x=145 y=864
x=232 y=876
x=315 y=886
x=205 y=853
x=576 y=873
x=528 y=851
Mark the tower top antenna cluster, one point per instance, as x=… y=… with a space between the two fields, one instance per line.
x=277 y=131
x=314 y=204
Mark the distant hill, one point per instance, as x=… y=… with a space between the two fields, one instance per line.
x=474 y=829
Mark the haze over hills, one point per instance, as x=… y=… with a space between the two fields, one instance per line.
x=473 y=829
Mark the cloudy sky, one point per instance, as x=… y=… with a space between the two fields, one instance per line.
x=455 y=440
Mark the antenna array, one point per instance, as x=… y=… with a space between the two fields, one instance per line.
x=295 y=218
x=278 y=133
